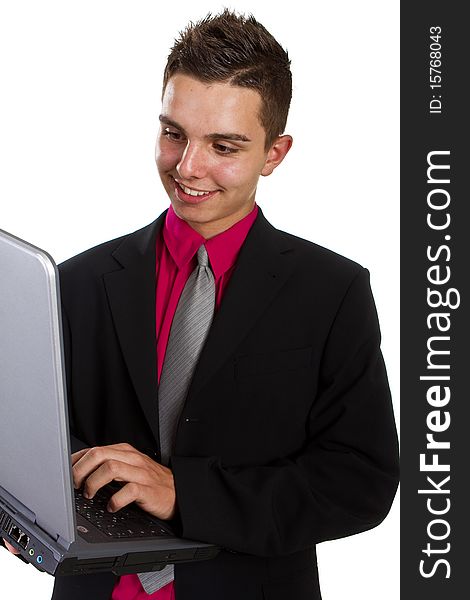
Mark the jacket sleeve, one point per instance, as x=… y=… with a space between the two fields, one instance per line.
x=343 y=480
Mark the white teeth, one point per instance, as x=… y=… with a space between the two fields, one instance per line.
x=192 y=192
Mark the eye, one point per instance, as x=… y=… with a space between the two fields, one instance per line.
x=221 y=149
x=174 y=136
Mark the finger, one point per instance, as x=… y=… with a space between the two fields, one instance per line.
x=114 y=470
x=94 y=457
x=131 y=492
x=78 y=455
x=10 y=548
x=153 y=499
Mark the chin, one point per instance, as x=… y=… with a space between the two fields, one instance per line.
x=185 y=210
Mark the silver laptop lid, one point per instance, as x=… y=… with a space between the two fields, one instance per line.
x=34 y=459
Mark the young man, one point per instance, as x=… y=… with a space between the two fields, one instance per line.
x=227 y=373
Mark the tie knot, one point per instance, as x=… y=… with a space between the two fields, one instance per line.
x=202 y=258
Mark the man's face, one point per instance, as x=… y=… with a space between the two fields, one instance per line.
x=211 y=141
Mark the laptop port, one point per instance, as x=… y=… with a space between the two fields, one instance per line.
x=24 y=540
x=19 y=536
x=7 y=523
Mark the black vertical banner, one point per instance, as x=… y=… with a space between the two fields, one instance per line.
x=435 y=296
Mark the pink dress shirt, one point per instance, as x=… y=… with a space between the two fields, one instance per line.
x=175 y=261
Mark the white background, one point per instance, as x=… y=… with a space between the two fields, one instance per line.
x=79 y=103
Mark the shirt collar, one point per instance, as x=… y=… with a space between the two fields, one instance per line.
x=183 y=241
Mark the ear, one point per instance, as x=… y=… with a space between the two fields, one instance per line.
x=280 y=147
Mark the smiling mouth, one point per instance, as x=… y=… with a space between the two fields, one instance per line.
x=193 y=192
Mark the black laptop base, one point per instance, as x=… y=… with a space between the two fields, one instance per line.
x=42 y=554
x=141 y=562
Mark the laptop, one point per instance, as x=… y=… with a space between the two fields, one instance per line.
x=52 y=525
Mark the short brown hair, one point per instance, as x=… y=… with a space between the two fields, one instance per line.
x=236 y=49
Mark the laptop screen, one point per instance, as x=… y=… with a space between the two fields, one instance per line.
x=35 y=463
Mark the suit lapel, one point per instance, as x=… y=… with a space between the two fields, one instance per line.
x=263 y=266
x=131 y=295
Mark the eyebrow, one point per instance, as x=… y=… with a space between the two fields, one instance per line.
x=235 y=137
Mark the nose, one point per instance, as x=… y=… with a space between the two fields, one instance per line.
x=193 y=162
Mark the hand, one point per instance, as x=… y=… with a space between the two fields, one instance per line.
x=149 y=484
x=10 y=547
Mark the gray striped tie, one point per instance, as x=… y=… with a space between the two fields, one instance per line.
x=191 y=323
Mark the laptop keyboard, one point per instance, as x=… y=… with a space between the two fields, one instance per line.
x=129 y=522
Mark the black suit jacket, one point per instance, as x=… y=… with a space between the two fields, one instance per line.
x=287 y=436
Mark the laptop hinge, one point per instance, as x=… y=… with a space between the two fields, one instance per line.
x=63 y=543
x=53 y=535
x=15 y=505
